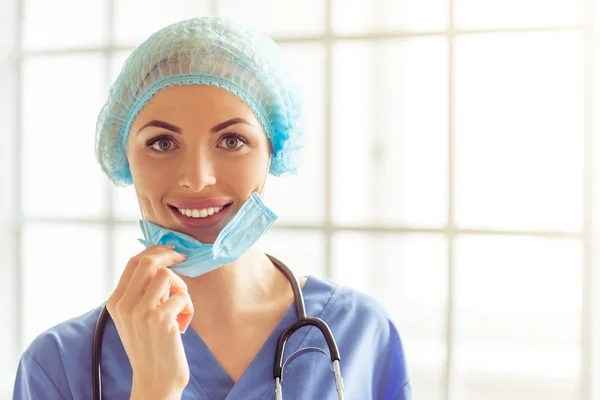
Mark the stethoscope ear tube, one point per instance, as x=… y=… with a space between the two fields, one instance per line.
x=308 y=321
x=302 y=321
x=97 y=352
x=333 y=352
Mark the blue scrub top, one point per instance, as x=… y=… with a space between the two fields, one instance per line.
x=58 y=363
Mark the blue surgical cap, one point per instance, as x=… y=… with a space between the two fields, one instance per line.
x=204 y=51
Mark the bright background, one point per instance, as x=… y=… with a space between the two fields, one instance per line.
x=452 y=172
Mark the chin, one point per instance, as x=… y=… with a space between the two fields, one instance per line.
x=204 y=238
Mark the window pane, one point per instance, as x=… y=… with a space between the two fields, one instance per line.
x=9 y=353
x=390 y=133
x=63 y=24
x=519 y=131
x=136 y=20
x=409 y=275
x=473 y=14
x=126 y=246
x=518 y=317
x=125 y=204
x=62 y=96
x=63 y=274
x=302 y=251
x=283 y=17
x=300 y=199
x=9 y=313
x=117 y=59
x=359 y=16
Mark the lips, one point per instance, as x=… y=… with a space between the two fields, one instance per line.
x=200 y=204
x=201 y=217
x=200 y=213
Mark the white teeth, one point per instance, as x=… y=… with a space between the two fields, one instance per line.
x=201 y=213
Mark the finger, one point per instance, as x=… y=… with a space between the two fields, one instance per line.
x=131 y=266
x=180 y=307
x=164 y=282
x=146 y=269
x=118 y=293
x=184 y=321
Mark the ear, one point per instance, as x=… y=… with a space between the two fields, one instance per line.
x=271 y=149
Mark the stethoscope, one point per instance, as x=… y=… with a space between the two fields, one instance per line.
x=301 y=321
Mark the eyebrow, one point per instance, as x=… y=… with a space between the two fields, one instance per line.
x=228 y=123
x=161 y=124
x=214 y=129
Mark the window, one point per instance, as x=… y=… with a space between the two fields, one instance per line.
x=452 y=172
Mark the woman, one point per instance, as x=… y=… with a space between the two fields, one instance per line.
x=202 y=111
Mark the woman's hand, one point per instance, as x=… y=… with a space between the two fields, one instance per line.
x=150 y=308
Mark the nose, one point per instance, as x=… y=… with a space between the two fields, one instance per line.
x=197 y=172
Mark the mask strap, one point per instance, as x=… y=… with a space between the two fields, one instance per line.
x=144 y=221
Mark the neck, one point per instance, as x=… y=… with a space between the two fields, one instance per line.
x=242 y=287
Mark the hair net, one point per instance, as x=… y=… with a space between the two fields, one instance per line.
x=204 y=51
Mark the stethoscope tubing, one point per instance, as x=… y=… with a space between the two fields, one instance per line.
x=301 y=321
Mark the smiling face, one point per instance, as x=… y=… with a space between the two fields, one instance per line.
x=196 y=153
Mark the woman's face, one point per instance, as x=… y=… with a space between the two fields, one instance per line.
x=196 y=154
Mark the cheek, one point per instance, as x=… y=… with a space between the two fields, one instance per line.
x=144 y=167
x=140 y=168
x=148 y=178
x=246 y=173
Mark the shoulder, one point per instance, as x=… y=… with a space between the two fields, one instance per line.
x=367 y=335
x=56 y=354
x=352 y=307
x=69 y=336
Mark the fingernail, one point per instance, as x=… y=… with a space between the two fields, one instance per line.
x=170 y=246
x=184 y=256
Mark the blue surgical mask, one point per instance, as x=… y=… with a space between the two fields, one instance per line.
x=246 y=227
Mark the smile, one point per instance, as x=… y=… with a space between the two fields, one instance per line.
x=200 y=213
x=204 y=217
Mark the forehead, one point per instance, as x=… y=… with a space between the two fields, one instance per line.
x=195 y=104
